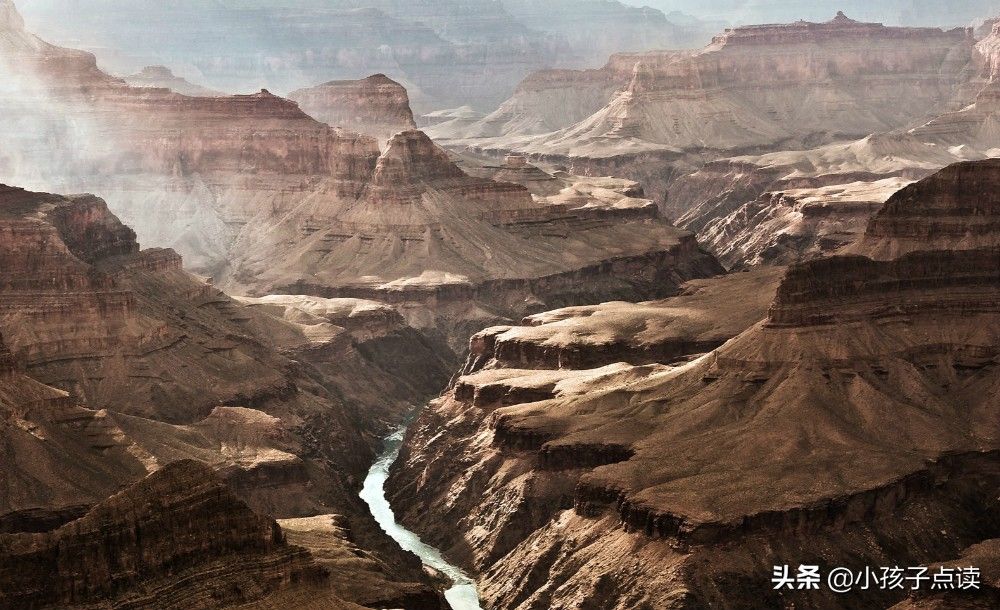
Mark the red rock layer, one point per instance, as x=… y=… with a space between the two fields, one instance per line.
x=377 y=105
x=179 y=537
x=958 y=207
x=862 y=407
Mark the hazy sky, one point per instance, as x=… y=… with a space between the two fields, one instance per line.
x=891 y=12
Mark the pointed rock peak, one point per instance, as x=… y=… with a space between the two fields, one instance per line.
x=10 y=19
x=381 y=79
x=842 y=18
x=412 y=155
x=157 y=72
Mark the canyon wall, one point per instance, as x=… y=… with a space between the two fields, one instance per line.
x=265 y=199
x=862 y=401
x=753 y=89
x=120 y=363
x=448 y=53
x=377 y=106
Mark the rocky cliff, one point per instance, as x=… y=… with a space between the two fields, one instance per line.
x=178 y=538
x=456 y=252
x=862 y=402
x=254 y=192
x=448 y=52
x=155 y=365
x=377 y=106
x=789 y=205
x=755 y=88
x=162 y=77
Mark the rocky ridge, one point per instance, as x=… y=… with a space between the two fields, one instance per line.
x=238 y=183
x=162 y=77
x=154 y=365
x=177 y=539
x=784 y=206
x=649 y=485
x=377 y=106
x=446 y=52
x=754 y=89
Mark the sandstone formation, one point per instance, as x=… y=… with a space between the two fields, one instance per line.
x=653 y=115
x=177 y=539
x=162 y=77
x=264 y=198
x=859 y=410
x=155 y=365
x=781 y=207
x=452 y=249
x=447 y=52
x=377 y=106
x=181 y=539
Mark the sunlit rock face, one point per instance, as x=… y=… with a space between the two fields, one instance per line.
x=377 y=106
x=853 y=400
x=448 y=53
x=657 y=115
x=795 y=204
x=163 y=77
x=264 y=198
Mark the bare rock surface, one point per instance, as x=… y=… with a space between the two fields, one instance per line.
x=177 y=539
x=120 y=363
x=163 y=77
x=859 y=410
x=653 y=116
x=377 y=106
x=267 y=200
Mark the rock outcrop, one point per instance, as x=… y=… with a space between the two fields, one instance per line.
x=163 y=77
x=456 y=252
x=860 y=409
x=179 y=538
x=153 y=365
x=754 y=89
x=265 y=199
x=377 y=106
x=789 y=205
x=450 y=52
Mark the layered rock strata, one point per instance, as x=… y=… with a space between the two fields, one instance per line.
x=178 y=538
x=156 y=365
x=252 y=191
x=377 y=106
x=450 y=52
x=162 y=77
x=785 y=206
x=443 y=245
x=754 y=89
x=859 y=410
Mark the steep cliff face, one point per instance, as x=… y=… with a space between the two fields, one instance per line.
x=862 y=403
x=785 y=206
x=449 y=52
x=178 y=538
x=155 y=365
x=455 y=251
x=958 y=208
x=377 y=106
x=755 y=88
x=265 y=199
x=162 y=77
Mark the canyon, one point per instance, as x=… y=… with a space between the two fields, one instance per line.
x=629 y=341
x=446 y=52
x=116 y=363
x=784 y=206
x=265 y=199
x=655 y=116
x=589 y=465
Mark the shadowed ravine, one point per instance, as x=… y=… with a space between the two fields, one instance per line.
x=462 y=595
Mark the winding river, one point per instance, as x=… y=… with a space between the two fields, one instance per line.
x=462 y=595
